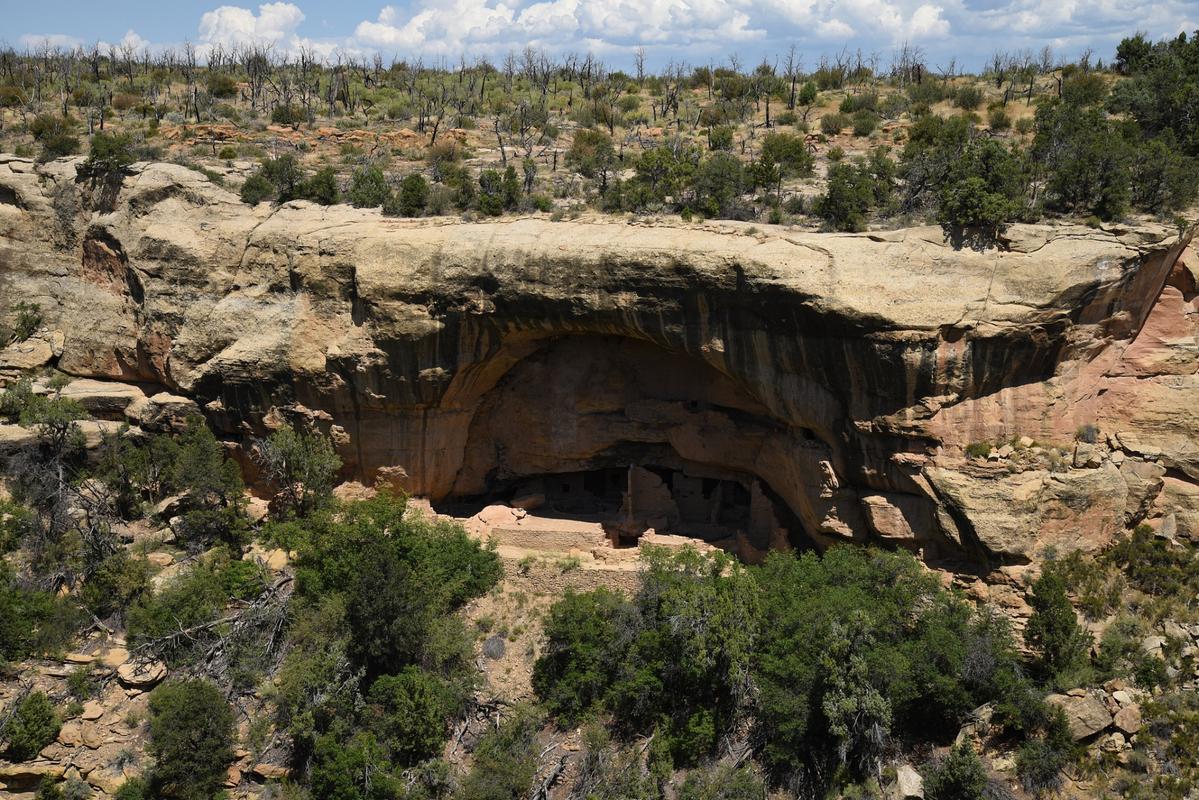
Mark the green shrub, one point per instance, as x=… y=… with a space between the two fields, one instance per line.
x=643 y=660
x=287 y=115
x=859 y=646
x=368 y=188
x=1053 y=631
x=133 y=789
x=110 y=153
x=256 y=189
x=321 y=187
x=28 y=320
x=301 y=467
x=32 y=622
x=505 y=761
x=115 y=584
x=412 y=197
x=221 y=85
x=978 y=449
x=284 y=173
x=968 y=98
x=212 y=488
x=191 y=739
x=998 y=120
x=190 y=601
x=864 y=123
x=491 y=193
x=409 y=713
x=34 y=724
x=583 y=653
x=958 y=776
x=832 y=124
x=722 y=783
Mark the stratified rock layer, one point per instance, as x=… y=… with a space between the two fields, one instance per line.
x=845 y=373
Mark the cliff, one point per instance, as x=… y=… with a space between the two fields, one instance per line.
x=840 y=375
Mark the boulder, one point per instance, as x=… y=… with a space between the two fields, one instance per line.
x=14 y=438
x=103 y=399
x=162 y=413
x=23 y=356
x=1128 y=719
x=142 y=675
x=908 y=784
x=26 y=776
x=1086 y=716
x=270 y=772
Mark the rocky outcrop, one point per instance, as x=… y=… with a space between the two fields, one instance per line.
x=841 y=375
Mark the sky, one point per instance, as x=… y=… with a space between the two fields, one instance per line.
x=688 y=31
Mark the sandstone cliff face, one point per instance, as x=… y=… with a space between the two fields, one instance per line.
x=843 y=373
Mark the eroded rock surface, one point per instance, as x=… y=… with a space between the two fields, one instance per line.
x=836 y=378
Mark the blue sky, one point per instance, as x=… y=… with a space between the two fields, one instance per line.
x=690 y=31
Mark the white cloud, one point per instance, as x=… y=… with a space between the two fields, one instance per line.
x=691 y=30
x=274 y=24
x=34 y=41
x=451 y=26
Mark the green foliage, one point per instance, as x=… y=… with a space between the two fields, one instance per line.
x=368 y=188
x=864 y=122
x=133 y=789
x=212 y=487
x=1053 y=631
x=510 y=188
x=591 y=154
x=1097 y=586
x=583 y=652
x=505 y=761
x=221 y=84
x=410 y=711
x=256 y=189
x=783 y=156
x=1040 y=760
x=960 y=775
x=117 y=582
x=676 y=658
x=110 y=154
x=1162 y=87
x=301 y=467
x=353 y=770
x=28 y=320
x=832 y=124
x=16 y=522
x=722 y=783
x=412 y=197
x=191 y=739
x=848 y=197
x=138 y=471
x=376 y=594
x=190 y=602
x=321 y=187
x=34 y=724
x=32 y=622
x=491 y=193
x=967 y=98
x=718 y=182
x=1087 y=160
x=284 y=174
x=910 y=660
x=288 y=115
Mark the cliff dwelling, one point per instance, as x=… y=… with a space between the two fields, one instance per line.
x=624 y=435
